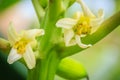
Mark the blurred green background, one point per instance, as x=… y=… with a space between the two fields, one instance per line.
x=102 y=61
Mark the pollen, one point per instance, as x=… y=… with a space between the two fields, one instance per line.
x=20 y=46
x=83 y=26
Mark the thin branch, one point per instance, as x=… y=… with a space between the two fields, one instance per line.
x=39 y=10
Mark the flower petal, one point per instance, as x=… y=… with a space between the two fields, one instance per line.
x=29 y=57
x=77 y=15
x=86 y=10
x=100 y=17
x=31 y=34
x=95 y=22
x=78 y=41
x=68 y=37
x=100 y=13
x=12 y=34
x=13 y=56
x=66 y=23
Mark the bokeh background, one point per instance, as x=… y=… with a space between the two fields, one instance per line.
x=102 y=61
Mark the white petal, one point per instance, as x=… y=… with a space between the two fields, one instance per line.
x=12 y=34
x=13 y=56
x=86 y=10
x=68 y=37
x=78 y=40
x=77 y=15
x=31 y=34
x=29 y=57
x=100 y=17
x=100 y=13
x=95 y=22
x=66 y=23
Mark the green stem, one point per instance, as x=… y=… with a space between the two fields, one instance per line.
x=39 y=10
x=4 y=45
x=45 y=68
x=52 y=33
x=105 y=28
x=68 y=3
x=43 y=3
x=117 y=5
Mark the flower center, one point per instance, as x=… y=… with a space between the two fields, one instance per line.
x=83 y=26
x=21 y=46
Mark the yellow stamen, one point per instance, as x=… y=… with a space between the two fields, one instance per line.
x=21 y=46
x=83 y=26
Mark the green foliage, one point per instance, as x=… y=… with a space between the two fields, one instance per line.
x=7 y=3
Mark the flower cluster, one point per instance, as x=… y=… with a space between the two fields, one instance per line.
x=84 y=24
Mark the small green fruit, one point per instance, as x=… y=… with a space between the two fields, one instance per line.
x=71 y=69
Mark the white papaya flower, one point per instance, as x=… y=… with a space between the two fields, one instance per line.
x=83 y=24
x=21 y=45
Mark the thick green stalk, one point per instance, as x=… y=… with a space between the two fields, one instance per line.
x=50 y=60
x=52 y=33
x=45 y=68
x=105 y=28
